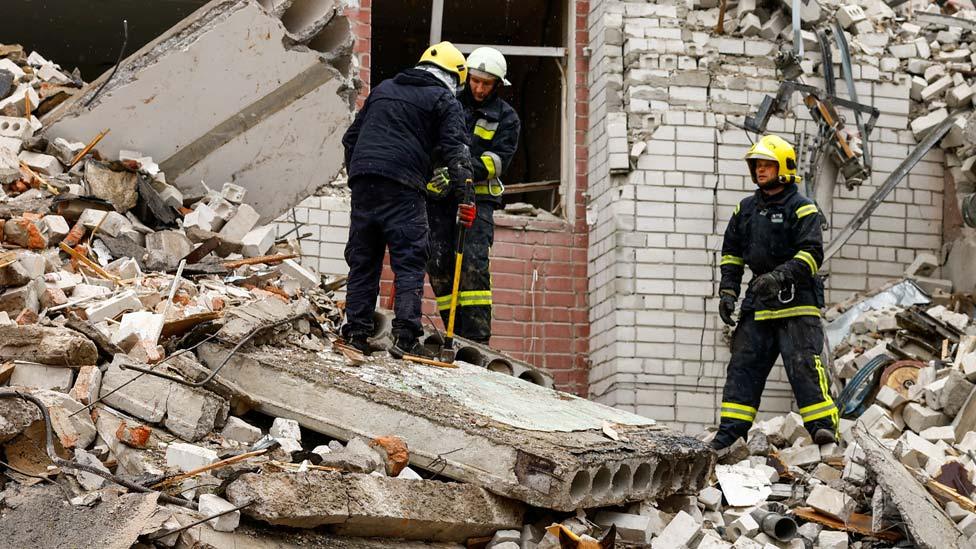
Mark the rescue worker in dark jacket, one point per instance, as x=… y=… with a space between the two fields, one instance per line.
x=388 y=157
x=493 y=126
x=776 y=232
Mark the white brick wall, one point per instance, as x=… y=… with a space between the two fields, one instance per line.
x=656 y=343
x=327 y=218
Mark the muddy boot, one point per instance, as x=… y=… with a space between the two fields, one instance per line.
x=361 y=344
x=411 y=346
x=824 y=436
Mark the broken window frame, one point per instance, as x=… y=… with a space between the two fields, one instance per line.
x=565 y=58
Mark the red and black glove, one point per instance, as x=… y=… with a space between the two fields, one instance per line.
x=466 y=214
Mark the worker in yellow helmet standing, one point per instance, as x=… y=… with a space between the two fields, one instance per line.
x=493 y=127
x=776 y=233
x=388 y=152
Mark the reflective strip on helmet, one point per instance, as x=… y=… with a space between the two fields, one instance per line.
x=804 y=211
x=802 y=310
x=733 y=410
x=732 y=260
x=485 y=129
x=492 y=162
x=808 y=259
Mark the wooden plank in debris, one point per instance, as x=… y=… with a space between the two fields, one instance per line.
x=857 y=523
x=929 y=526
x=261 y=259
x=6 y=370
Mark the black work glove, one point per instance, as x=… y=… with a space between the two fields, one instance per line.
x=769 y=285
x=727 y=306
x=460 y=174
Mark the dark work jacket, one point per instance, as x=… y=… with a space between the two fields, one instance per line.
x=494 y=131
x=779 y=233
x=402 y=121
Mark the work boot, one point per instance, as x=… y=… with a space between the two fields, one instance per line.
x=409 y=346
x=361 y=344
x=824 y=436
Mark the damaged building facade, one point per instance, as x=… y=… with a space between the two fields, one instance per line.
x=605 y=267
x=657 y=170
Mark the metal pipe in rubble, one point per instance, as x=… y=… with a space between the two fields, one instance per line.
x=775 y=525
x=66 y=464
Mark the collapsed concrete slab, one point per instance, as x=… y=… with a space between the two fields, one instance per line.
x=513 y=438
x=370 y=506
x=274 y=128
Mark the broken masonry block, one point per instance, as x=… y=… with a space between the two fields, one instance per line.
x=87 y=385
x=849 y=15
x=73 y=427
x=187 y=457
x=43 y=164
x=831 y=502
x=26 y=233
x=304 y=276
x=233 y=193
x=285 y=428
x=113 y=307
x=56 y=228
x=89 y=481
x=240 y=224
x=923 y=124
x=119 y=188
x=210 y=505
x=955 y=392
x=918 y=417
x=40 y=376
x=710 y=498
x=192 y=413
x=944 y=433
x=202 y=217
x=108 y=222
x=166 y=249
x=239 y=430
x=630 y=528
x=16 y=128
x=258 y=241
x=890 y=398
x=138 y=326
x=144 y=398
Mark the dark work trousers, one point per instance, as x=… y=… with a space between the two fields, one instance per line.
x=385 y=213
x=473 y=317
x=755 y=347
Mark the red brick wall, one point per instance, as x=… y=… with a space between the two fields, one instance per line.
x=360 y=20
x=545 y=323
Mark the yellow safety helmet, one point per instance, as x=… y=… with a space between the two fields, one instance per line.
x=447 y=57
x=777 y=149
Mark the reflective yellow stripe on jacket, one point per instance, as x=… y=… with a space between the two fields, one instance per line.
x=732 y=260
x=807 y=258
x=804 y=211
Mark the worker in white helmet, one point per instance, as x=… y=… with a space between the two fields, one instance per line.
x=493 y=127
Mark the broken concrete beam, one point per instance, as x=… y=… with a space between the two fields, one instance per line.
x=517 y=459
x=929 y=526
x=369 y=506
x=46 y=345
x=225 y=137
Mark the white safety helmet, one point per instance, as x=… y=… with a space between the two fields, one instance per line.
x=489 y=61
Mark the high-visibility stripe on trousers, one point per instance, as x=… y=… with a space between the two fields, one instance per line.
x=755 y=347
x=473 y=317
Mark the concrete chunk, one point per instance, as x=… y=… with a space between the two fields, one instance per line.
x=43 y=164
x=89 y=481
x=919 y=418
x=285 y=428
x=829 y=539
x=46 y=345
x=73 y=427
x=211 y=505
x=192 y=412
x=113 y=307
x=187 y=457
x=682 y=531
x=87 y=385
x=145 y=398
x=240 y=224
x=831 y=502
x=631 y=528
x=40 y=376
x=367 y=506
x=241 y=431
